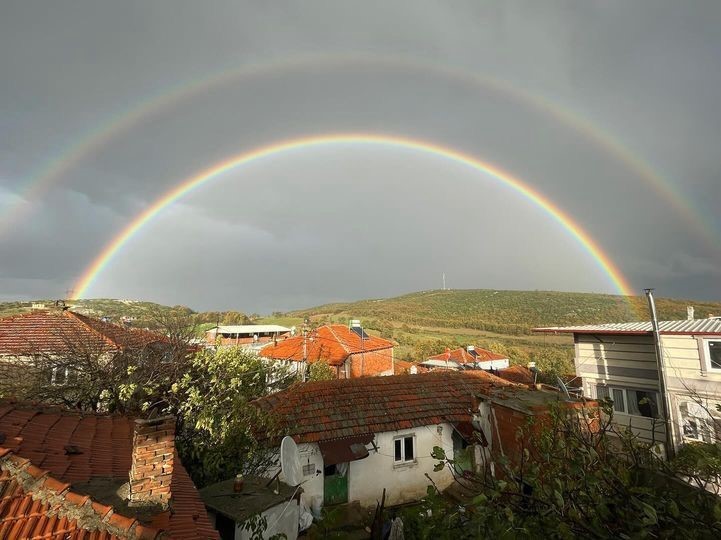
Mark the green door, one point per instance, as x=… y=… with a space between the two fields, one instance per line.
x=335 y=487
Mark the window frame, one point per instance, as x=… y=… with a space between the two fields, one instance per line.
x=707 y=353
x=627 y=400
x=402 y=462
x=65 y=370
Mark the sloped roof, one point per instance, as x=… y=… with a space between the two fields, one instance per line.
x=462 y=356
x=323 y=410
x=519 y=374
x=332 y=343
x=690 y=327
x=67 y=449
x=56 y=331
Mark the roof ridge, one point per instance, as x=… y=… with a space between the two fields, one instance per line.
x=87 y=513
x=342 y=344
x=78 y=317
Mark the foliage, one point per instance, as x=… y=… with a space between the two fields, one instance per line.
x=91 y=375
x=504 y=312
x=321 y=371
x=217 y=436
x=570 y=479
x=700 y=462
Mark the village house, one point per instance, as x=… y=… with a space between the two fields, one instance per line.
x=248 y=336
x=357 y=437
x=349 y=350
x=58 y=333
x=66 y=474
x=470 y=357
x=618 y=361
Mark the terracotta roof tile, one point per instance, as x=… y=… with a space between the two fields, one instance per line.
x=324 y=410
x=462 y=356
x=36 y=440
x=59 y=331
x=332 y=343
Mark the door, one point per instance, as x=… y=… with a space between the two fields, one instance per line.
x=335 y=486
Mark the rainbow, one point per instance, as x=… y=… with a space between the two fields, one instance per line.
x=92 y=141
x=102 y=261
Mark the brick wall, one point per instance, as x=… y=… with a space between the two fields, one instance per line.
x=372 y=362
x=152 y=461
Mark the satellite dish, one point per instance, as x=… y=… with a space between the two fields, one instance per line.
x=290 y=461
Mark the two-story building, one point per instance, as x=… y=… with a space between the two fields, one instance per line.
x=618 y=361
x=349 y=350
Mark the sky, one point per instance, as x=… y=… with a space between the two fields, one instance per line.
x=609 y=109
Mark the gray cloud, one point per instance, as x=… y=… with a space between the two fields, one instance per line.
x=342 y=223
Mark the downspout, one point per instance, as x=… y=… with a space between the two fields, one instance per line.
x=665 y=399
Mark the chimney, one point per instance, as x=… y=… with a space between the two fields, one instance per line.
x=152 y=461
x=689 y=313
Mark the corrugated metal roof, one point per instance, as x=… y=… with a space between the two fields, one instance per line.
x=250 y=328
x=694 y=326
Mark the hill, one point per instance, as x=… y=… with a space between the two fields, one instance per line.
x=141 y=314
x=505 y=312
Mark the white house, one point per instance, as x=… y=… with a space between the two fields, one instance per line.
x=470 y=357
x=359 y=436
x=619 y=361
x=250 y=336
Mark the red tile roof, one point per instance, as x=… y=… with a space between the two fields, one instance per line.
x=56 y=331
x=332 y=343
x=462 y=356
x=323 y=410
x=69 y=447
x=519 y=374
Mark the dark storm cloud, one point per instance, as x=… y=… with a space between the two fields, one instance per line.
x=325 y=225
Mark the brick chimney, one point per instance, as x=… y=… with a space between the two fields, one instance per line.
x=152 y=461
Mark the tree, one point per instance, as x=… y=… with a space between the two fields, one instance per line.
x=88 y=373
x=321 y=371
x=217 y=424
x=570 y=479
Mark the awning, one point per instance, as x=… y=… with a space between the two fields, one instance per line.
x=346 y=449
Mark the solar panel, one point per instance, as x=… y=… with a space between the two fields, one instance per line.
x=473 y=353
x=359 y=332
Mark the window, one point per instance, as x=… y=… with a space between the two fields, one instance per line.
x=628 y=401
x=59 y=375
x=713 y=348
x=404 y=449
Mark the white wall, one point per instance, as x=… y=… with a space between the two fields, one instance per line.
x=280 y=519
x=368 y=477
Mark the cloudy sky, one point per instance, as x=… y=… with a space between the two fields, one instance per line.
x=609 y=109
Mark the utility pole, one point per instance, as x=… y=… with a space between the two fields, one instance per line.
x=305 y=346
x=665 y=399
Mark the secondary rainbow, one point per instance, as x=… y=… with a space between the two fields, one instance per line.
x=101 y=262
x=38 y=184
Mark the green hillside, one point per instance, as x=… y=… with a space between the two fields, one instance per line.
x=505 y=312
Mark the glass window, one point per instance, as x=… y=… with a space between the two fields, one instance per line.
x=408 y=444
x=618 y=401
x=642 y=403
x=404 y=448
x=714 y=354
x=602 y=392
